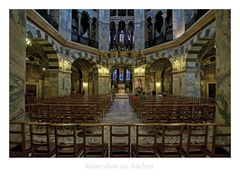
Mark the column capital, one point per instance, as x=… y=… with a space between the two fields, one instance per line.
x=90 y=20
x=164 y=15
x=79 y=15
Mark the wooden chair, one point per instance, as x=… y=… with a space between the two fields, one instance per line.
x=163 y=113
x=42 y=146
x=66 y=141
x=119 y=140
x=197 y=136
x=93 y=137
x=145 y=145
x=221 y=141
x=171 y=145
x=19 y=146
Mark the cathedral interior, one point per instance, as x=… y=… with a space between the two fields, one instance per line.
x=119 y=83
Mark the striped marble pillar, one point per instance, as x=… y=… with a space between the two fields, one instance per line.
x=223 y=67
x=17 y=62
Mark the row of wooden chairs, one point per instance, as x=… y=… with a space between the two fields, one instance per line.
x=100 y=101
x=138 y=102
x=177 y=113
x=63 y=113
x=132 y=140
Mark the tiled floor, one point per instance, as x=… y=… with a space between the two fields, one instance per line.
x=121 y=112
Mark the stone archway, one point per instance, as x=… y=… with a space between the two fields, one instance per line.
x=42 y=69
x=52 y=86
x=121 y=79
x=159 y=76
x=84 y=77
x=191 y=75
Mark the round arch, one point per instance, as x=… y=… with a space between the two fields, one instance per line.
x=159 y=75
x=84 y=76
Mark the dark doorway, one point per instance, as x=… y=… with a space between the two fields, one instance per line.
x=31 y=90
x=212 y=90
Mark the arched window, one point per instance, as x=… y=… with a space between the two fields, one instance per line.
x=121 y=74
x=114 y=74
x=128 y=75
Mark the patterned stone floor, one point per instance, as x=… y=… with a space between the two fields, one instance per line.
x=121 y=112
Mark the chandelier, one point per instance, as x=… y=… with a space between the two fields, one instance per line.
x=119 y=57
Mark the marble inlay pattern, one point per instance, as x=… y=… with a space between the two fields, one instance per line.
x=51 y=84
x=17 y=63
x=223 y=67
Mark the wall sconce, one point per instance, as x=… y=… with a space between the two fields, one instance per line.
x=158 y=84
x=85 y=84
x=66 y=62
x=28 y=42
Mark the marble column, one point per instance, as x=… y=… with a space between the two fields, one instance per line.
x=158 y=82
x=80 y=30
x=164 y=16
x=64 y=83
x=223 y=67
x=51 y=83
x=178 y=21
x=191 y=83
x=85 y=82
x=90 y=28
x=104 y=31
x=139 y=25
x=153 y=28
x=177 y=83
x=65 y=23
x=17 y=63
x=103 y=86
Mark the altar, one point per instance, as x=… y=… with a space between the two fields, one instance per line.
x=121 y=89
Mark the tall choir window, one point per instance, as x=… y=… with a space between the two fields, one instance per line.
x=121 y=75
x=128 y=75
x=115 y=74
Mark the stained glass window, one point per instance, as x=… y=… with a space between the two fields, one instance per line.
x=115 y=74
x=121 y=74
x=128 y=74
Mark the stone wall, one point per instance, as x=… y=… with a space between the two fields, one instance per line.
x=17 y=63
x=223 y=66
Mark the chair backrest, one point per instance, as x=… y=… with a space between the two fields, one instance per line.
x=197 y=138
x=221 y=141
x=42 y=146
x=93 y=137
x=66 y=140
x=145 y=140
x=172 y=137
x=19 y=146
x=120 y=140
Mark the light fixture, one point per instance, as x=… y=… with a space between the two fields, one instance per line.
x=66 y=62
x=43 y=68
x=27 y=58
x=28 y=42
